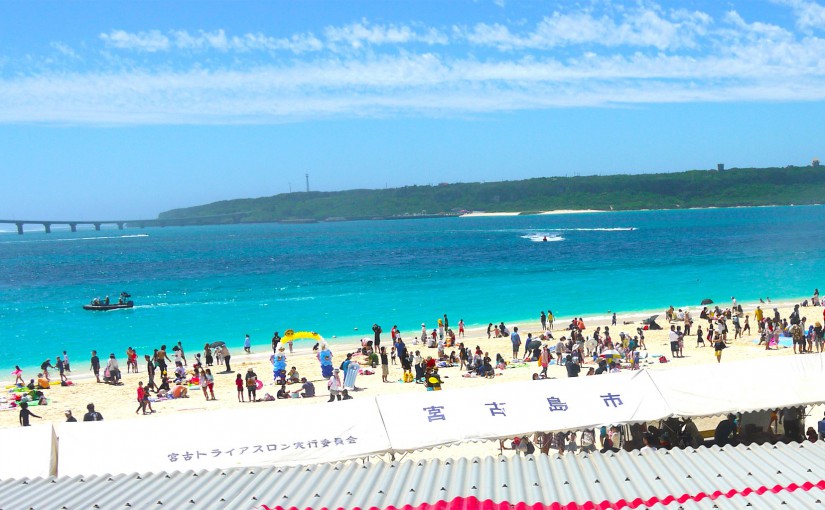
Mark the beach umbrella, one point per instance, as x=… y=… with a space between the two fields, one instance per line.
x=610 y=354
x=217 y=343
x=707 y=301
x=290 y=336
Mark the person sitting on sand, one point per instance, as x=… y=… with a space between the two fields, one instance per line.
x=308 y=387
x=179 y=391
x=282 y=393
x=42 y=382
x=293 y=376
x=113 y=369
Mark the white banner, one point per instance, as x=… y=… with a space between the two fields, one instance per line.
x=28 y=452
x=435 y=418
x=267 y=435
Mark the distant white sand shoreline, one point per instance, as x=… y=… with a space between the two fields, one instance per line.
x=482 y=214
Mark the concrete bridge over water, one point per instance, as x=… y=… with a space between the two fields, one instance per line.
x=171 y=222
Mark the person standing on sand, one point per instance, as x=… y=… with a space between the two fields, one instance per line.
x=335 y=386
x=515 y=338
x=718 y=346
x=141 y=398
x=461 y=328
x=66 y=362
x=210 y=380
x=61 y=369
x=757 y=315
x=550 y=320
x=544 y=360
x=385 y=365
x=25 y=413
x=239 y=386
x=225 y=355
x=182 y=354
x=613 y=321
x=95 y=367
x=161 y=358
x=376 y=343
x=276 y=339
x=543 y=320
x=673 y=337
x=251 y=384
x=150 y=370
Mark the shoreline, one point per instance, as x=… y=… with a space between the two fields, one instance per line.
x=263 y=349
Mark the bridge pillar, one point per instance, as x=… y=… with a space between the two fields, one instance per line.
x=19 y=228
x=73 y=226
x=48 y=227
x=97 y=226
x=120 y=225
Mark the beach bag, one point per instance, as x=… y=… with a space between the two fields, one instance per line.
x=662 y=359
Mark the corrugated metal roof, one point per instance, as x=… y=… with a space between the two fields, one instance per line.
x=755 y=477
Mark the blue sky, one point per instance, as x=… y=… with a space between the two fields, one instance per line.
x=128 y=109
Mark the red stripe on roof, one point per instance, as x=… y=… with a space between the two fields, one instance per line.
x=473 y=503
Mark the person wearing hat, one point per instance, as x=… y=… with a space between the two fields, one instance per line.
x=251 y=384
x=308 y=388
x=335 y=386
x=69 y=417
x=92 y=415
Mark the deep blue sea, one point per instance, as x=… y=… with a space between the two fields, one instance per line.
x=201 y=284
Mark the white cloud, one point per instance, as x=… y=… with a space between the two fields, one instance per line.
x=356 y=35
x=151 y=41
x=645 y=27
x=809 y=15
x=64 y=49
x=641 y=54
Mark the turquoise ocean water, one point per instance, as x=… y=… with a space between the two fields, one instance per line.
x=200 y=284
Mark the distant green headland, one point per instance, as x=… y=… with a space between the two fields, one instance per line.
x=691 y=189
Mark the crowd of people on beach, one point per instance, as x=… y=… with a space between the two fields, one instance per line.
x=578 y=350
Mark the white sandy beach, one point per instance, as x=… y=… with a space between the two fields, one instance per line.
x=119 y=402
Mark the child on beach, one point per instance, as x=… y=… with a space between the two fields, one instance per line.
x=18 y=375
x=210 y=379
x=392 y=355
x=204 y=384
x=239 y=385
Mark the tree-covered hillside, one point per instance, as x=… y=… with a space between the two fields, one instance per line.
x=697 y=188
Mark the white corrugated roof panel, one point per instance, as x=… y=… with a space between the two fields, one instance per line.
x=755 y=477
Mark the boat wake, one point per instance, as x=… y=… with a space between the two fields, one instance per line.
x=543 y=238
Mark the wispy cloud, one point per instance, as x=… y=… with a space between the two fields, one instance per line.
x=638 y=55
x=642 y=27
x=809 y=15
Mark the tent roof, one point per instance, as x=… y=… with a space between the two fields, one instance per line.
x=759 y=477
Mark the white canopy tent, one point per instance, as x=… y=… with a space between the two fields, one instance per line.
x=742 y=386
x=28 y=452
x=262 y=436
